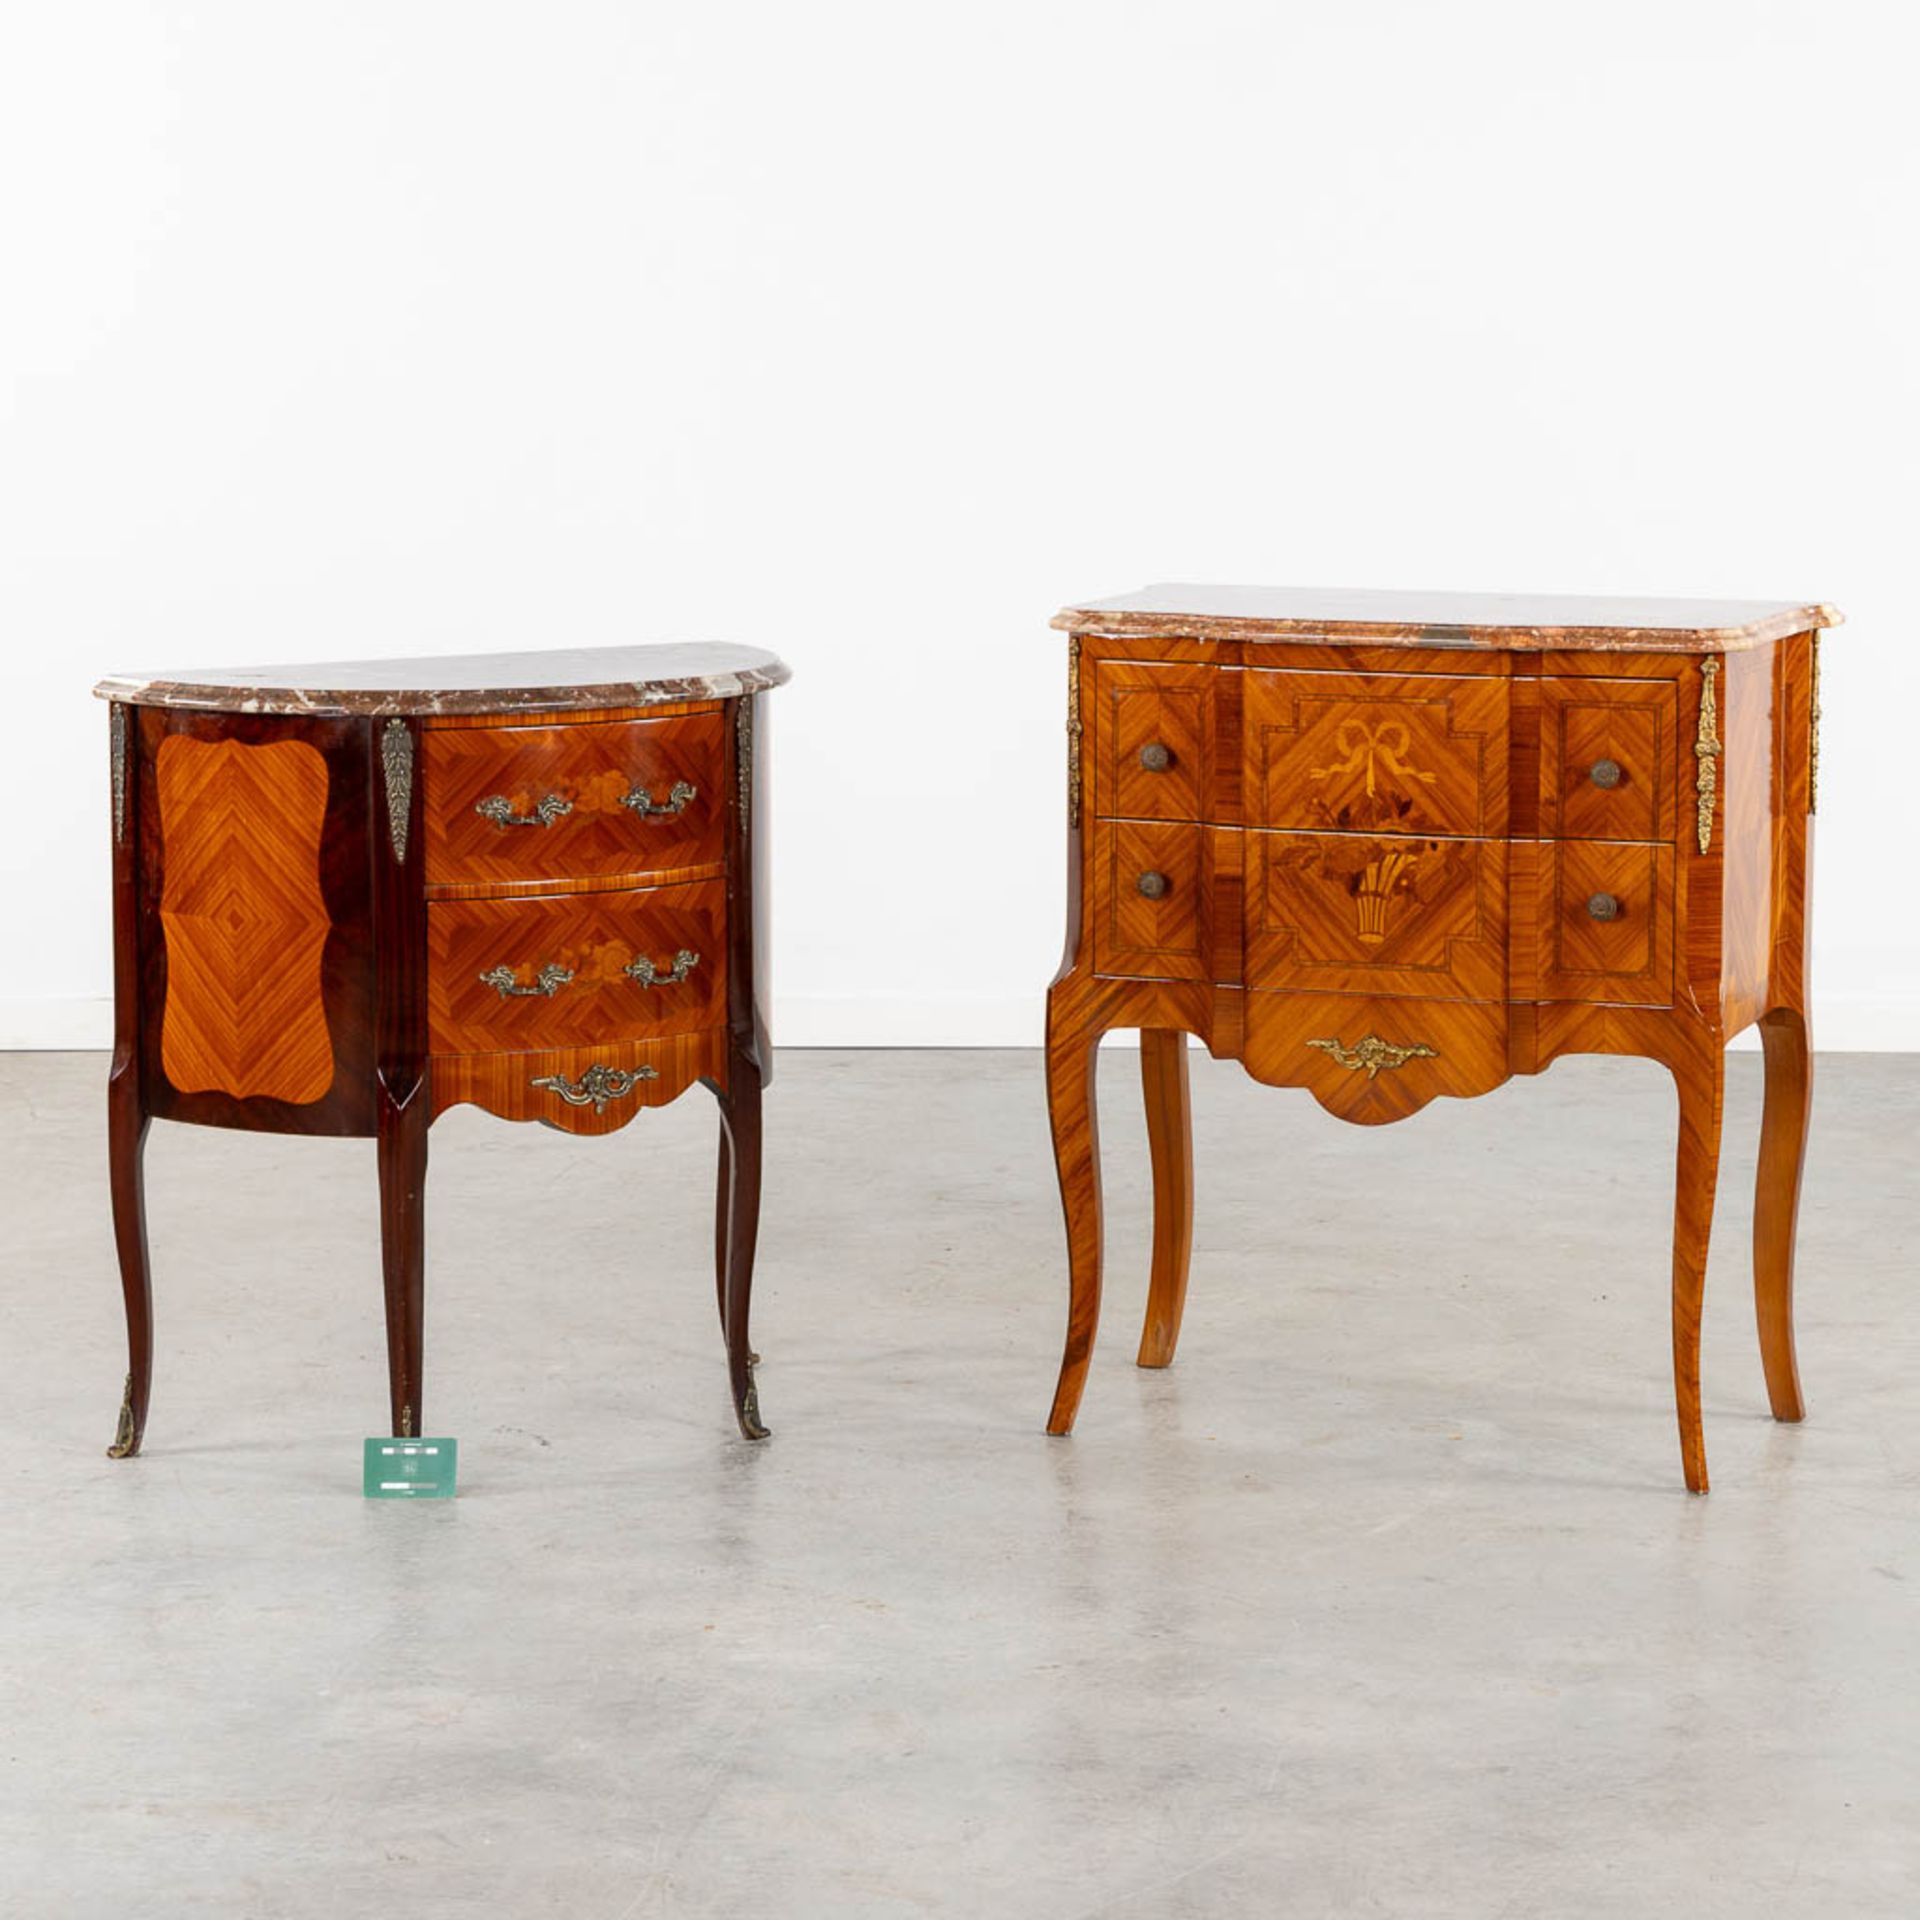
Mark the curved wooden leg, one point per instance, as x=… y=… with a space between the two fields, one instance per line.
x=1163 y=1079
x=1697 y=1166
x=126 y=1172
x=1776 y=1202
x=740 y=1122
x=403 y=1251
x=722 y=1213
x=1076 y=1152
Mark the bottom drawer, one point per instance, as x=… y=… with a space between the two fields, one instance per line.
x=1372 y=1059
x=581 y=1089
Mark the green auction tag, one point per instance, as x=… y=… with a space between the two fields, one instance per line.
x=410 y=1469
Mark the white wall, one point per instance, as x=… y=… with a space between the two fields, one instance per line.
x=874 y=333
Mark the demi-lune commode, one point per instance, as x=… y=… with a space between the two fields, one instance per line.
x=348 y=897
x=1388 y=846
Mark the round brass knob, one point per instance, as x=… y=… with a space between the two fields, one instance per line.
x=1603 y=906
x=1155 y=758
x=1606 y=773
x=1153 y=885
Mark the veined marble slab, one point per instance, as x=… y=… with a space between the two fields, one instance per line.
x=549 y=681
x=1512 y=622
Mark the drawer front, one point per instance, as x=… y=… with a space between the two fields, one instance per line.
x=1606 y=923
x=1374 y=1060
x=1152 y=741
x=595 y=1089
x=565 y=970
x=1149 y=888
x=1376 y=753
x=1356 y=913
x=1607 y=759
x=593 y=800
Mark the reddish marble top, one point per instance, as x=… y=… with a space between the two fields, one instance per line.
x=1515 y=622
x=549 y=681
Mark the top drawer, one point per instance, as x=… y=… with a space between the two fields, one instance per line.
x=588 y=800
x=1152 y=740
x=1607 y=754
x=1377 y=753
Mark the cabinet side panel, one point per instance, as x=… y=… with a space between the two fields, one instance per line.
x=243 y=918
x=1749 y=798
x=1796 y=726
x=255 y=934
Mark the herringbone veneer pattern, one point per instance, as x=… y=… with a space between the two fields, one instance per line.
x=244 y=918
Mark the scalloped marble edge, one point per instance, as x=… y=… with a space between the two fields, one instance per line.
x=1122 y=625
x=377 y=702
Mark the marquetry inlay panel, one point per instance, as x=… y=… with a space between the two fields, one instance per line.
x=244 y=920
x=1355 y=913
x=1377 y=753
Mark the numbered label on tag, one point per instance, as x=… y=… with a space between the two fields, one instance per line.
x=410 y=1469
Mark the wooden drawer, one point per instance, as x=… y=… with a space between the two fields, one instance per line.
x=1149 y=899
x=1152 y=740
x=574 y=966
x=1621 y=954
x=1376 y=753
x=585 y=801
x=1360 y=913
x=594 y=1089
x=1607 y=759
x=1374 y=1060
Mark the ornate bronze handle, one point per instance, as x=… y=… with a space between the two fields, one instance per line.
x=1153 y=885
x=1155 y=757
x=1606 y=773
x=643 y=969
x=1373 y=1053
x=1603 y=906
x=643 y=803
x=596 y=1086
x=546 y=983
x=499 y=809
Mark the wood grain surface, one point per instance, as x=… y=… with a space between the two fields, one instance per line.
x=243 y=918
x=582 y=775
x=504 y=1083
x=590 y=940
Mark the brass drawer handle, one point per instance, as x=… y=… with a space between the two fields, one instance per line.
x=643 y=803
x=1152 y=885
x=1603 y=906
x=1606 y=773
x=643 y=969
x=596 y=1086
x=499 y=809
x=1373 y=1053
x=546 y=983
x=1155 y=757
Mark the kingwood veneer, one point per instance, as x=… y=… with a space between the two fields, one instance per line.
x=349 y=897
x=1391 y=846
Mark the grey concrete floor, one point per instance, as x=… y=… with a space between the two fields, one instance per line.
x=1385 y=1600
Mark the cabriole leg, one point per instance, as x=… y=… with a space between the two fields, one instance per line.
x=1076 y=1151
x=1163 y=1077
x=126 y=1169
x=740 y=1189
x=1697 y=1166
x=722 y=1215
x=403 y=1252
x=1776 y=1201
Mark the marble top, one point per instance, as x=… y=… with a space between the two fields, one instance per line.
x=550 y=681
x=1515 y=622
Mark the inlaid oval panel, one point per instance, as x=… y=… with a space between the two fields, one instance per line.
x=244 y=918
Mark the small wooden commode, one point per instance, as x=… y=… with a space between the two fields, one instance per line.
x=348 y=897
x=1386 y=846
